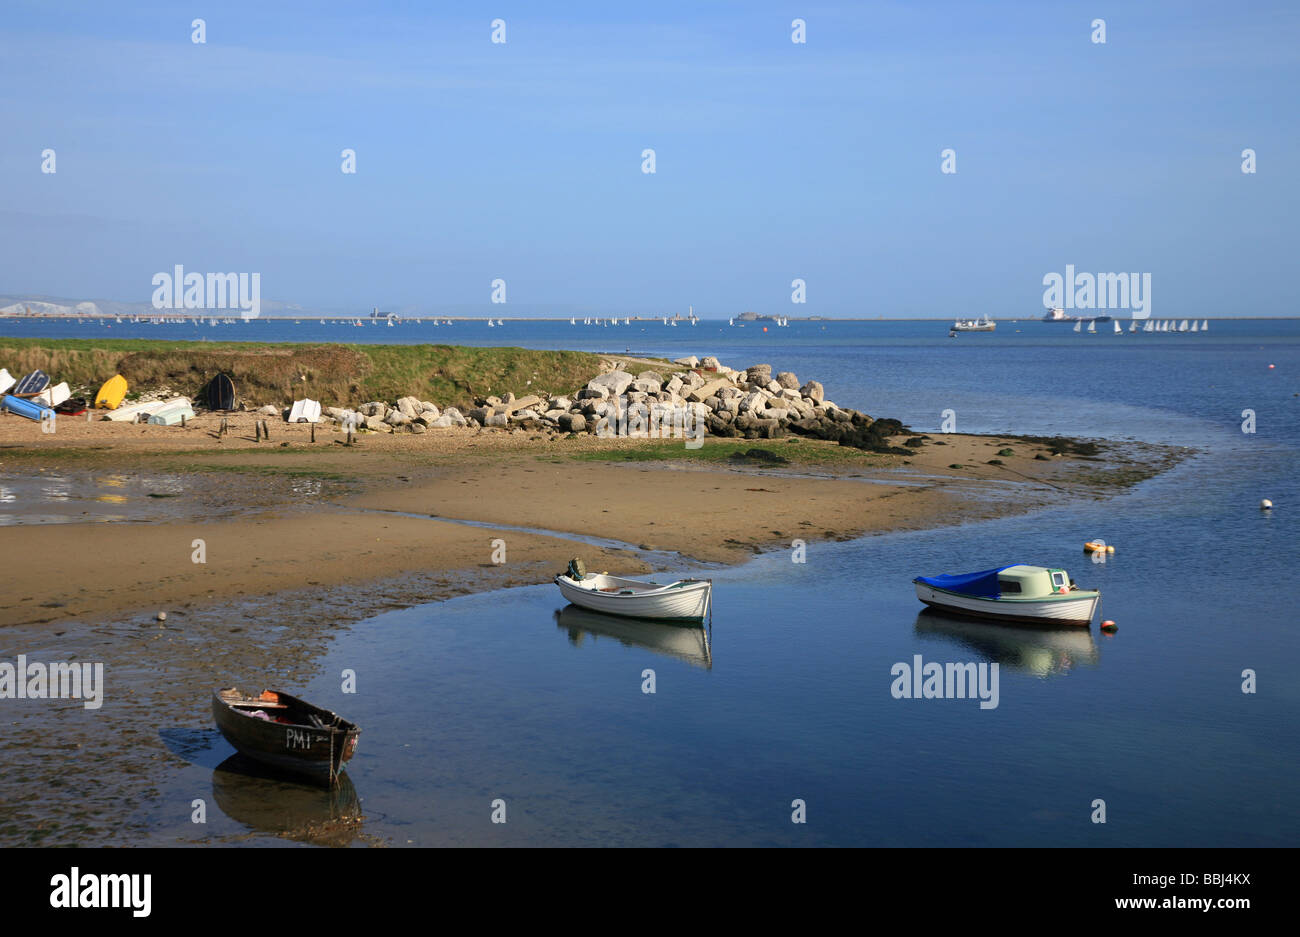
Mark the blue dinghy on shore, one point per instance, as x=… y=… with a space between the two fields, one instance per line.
x=26 y=408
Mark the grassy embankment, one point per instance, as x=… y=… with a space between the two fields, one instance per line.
x=278 y=373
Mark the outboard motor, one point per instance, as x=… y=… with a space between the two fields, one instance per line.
x=577 y=569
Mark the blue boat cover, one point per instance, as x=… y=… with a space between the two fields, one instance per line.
x=983 y=584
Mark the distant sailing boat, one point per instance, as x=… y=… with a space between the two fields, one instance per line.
x=1196 y=326
x=1118 y=328
x=1205 y=325
x=1133 y=326
x=491 y=324
x=731 y=322
x=1078 y=326
x=1149 y=327
x=1182 y=326
x=1092 y=326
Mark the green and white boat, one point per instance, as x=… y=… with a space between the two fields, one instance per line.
x=1037 y=595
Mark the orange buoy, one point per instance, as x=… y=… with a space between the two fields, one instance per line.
x=1109 y=625
x=765 y=329
x=1093 y=547
x=1109 y=548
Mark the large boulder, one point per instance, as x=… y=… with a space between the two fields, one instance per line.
x=377 y=425
x=613 y=383
x=456 y=417
x=759 y=374
x=497 y=419
x=709 y=389
x=814 y=391
x=572 y=422
x=522 y=403
x=758 y=428
x=710 y=363
x=688 y=362
x=479 y=415
x=787 y=379
x=720 y=427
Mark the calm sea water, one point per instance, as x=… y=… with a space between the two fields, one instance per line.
x=505 y=696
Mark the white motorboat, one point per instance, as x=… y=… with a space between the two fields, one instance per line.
x=1027 y=594
x=684 y=600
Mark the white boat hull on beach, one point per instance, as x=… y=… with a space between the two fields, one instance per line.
x=306 y=411
x=127 y=413
x=687 y=600
x=1048 y=611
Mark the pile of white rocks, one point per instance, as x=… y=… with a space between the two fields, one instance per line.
x=752 y=403
x=408 y=415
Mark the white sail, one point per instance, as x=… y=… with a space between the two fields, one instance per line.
x=1078 y=326
x=1205 y=325
x=1196 y=326
x=1118 y=328
x=1092 y=326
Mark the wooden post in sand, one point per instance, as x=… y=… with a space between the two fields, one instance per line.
x=257 y=431
x=266 y=430
x=313 y=432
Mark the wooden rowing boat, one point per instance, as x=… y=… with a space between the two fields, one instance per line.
x=286 y=733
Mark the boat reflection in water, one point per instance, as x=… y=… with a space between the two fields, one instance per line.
x=685 y=642
x=1042 y=651
x=247 y=793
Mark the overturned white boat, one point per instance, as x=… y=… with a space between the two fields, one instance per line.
x=1027 y=594
x=172 y=413
x=305 y=411
x=684 y=600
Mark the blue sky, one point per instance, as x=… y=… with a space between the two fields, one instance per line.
x=774 y=160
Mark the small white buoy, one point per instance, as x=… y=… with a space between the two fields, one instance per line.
x=1266 y=505
x=162 y=616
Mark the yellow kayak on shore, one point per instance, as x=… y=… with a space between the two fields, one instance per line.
x=111 y=394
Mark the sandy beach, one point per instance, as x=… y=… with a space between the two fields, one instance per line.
x=247 y=519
